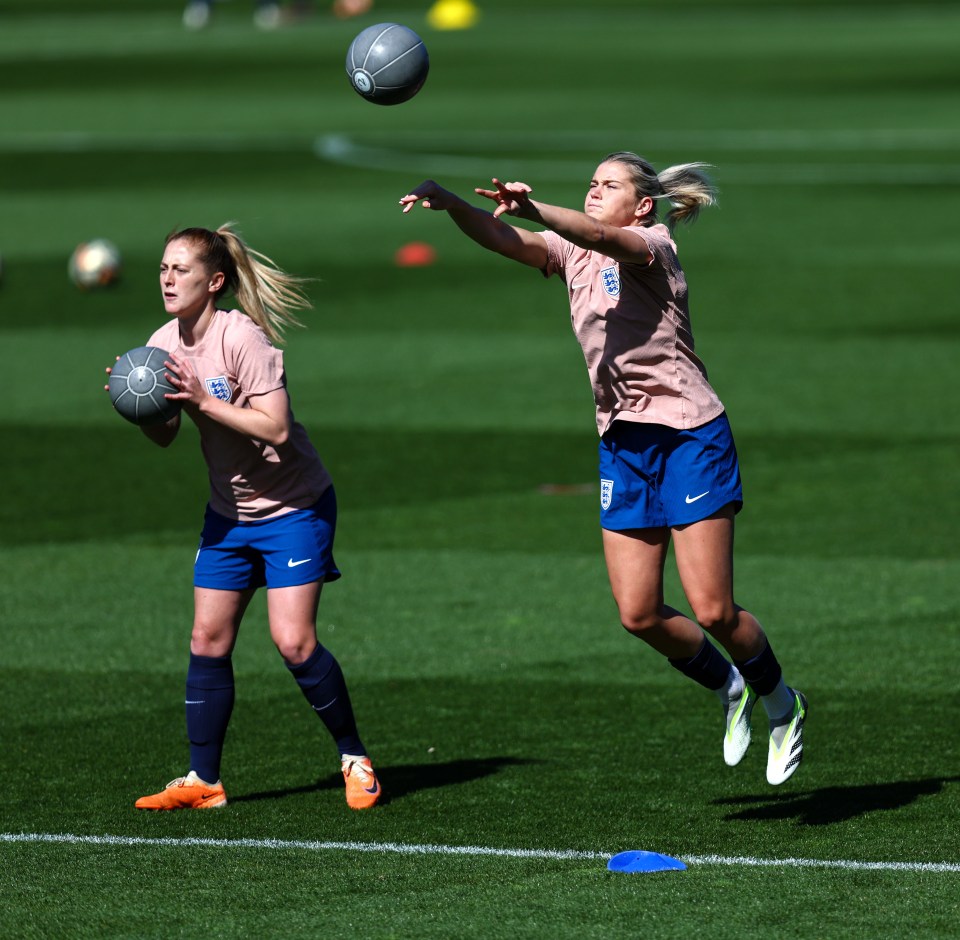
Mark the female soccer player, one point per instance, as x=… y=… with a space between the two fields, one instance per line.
x=668 y=466
x=272 y=511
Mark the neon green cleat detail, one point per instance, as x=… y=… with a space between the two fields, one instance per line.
x=736 y=739
x=786 y=743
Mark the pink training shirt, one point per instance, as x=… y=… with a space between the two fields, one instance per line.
x=633 y=325
x=249 y=480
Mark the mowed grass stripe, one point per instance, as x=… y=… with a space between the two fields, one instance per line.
x=803 y=140
x=346 y=151
x=433 y=849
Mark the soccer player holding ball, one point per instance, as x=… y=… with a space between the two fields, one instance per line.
x=272 y=512
x=668 y=465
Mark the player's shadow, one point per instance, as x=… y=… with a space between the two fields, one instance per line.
x=833 y=804
x=398 y=780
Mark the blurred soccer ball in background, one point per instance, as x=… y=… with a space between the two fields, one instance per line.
x=95 y=263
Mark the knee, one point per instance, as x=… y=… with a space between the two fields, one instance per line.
x=296 y=651
x=715 y=616
x=638 y=621
x=210 y=640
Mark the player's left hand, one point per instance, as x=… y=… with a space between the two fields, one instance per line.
x=511 y=198
x=430 y=195
x=109 y=371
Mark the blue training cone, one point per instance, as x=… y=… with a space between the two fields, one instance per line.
x=644 y=861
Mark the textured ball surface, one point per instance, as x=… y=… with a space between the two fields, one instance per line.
x=95 y=264
x=387 y=63
x=137 y=386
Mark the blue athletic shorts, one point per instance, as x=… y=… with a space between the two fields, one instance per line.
x=653 y=476
x=283 y=551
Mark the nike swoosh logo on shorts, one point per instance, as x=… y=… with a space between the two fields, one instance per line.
x=693 y=499
x=293 y=564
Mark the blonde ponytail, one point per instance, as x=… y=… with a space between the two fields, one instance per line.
x=686 y=186
x=688 y=190
x=265 y=293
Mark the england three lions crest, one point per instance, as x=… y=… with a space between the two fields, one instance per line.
x=606 y=493
x=610 y=278
x=219 y=387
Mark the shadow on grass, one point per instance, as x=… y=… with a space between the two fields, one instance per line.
x=400 y=780
x=834 y=804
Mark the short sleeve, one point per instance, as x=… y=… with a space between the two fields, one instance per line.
x=257 y=363
x=556 y=256
x=663 y=250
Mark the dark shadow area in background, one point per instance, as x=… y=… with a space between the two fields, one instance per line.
x=400 y=780
x=833 y=804
x=80 y=483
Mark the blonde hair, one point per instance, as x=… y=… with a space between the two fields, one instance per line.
x=686 y=186
x=265 y=293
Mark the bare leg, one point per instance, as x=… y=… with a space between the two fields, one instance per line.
x=635 y=561
x=704 y=552
x=216 y=620
x=293 y=620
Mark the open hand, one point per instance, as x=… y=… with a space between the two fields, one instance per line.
x=511 y=198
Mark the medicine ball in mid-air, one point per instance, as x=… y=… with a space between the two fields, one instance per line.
x=137 y=386
x=387 y=63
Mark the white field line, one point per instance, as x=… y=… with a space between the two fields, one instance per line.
x=344 y=150
x=887 y=140
x=398 y=848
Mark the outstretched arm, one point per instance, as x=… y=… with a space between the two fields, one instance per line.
x=484 y=228
x=621 y=244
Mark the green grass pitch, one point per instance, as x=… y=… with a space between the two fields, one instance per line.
x=503 y=705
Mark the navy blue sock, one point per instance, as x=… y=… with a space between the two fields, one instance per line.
x=763 y=672
x=321 y=681
x=708 y=666
x=209 y=705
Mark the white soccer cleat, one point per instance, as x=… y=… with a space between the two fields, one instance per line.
x=736 y=739
x=786 y=743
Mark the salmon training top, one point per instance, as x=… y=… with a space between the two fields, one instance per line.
x=633 y=324
x=249 y=479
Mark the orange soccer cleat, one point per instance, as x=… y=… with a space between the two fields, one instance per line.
x=188 y=792
x=363 y=788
